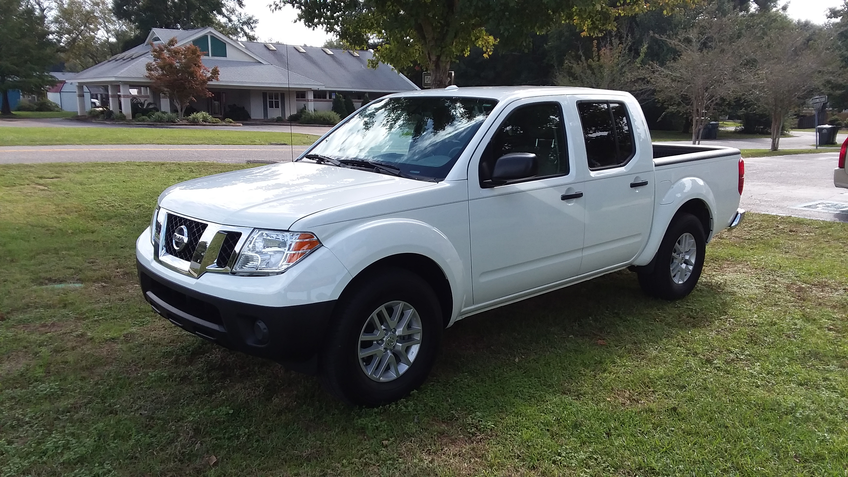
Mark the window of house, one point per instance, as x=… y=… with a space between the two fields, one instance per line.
x=209 y=43
x=535 y=128
x=319 y=94
x=218 y=47
x=300 y=94
x=202 y=43
x=273 y=100
x=607 y=134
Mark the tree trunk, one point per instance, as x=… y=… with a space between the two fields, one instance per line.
x=776 y=129
x=440 y=72
x=6 y=109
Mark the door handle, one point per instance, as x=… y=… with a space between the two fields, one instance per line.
x=634 y=185
x=575 y=195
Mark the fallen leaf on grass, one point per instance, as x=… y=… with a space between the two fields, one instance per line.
x=213 y=461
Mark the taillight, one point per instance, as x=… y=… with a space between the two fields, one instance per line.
x=742 y=173
x=842 y=154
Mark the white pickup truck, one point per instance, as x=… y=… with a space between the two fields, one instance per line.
x=423 y=209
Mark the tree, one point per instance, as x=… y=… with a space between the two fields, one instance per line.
x=178 y=71
x=708 y=68
x=408 y=32
x=608 y=67
x=789 y=61
x=87 y=32
x=225 y=16
x=26 y=51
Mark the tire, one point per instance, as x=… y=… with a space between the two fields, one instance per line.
x=383 y=340
x=678 y=263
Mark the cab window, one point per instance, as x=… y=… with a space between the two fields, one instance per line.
x=535 y=128
x=607 y=134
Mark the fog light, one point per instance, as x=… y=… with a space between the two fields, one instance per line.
x=260 y=332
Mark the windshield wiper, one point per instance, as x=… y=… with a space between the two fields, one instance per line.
x=321 y=159
x=376 y=166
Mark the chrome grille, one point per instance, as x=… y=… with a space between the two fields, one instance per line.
x=195 y=231
x=227 y=249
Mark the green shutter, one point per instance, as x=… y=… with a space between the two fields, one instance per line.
x=219 y=48
x=202 y=43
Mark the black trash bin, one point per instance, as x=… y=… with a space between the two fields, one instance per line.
x=710 y=130
x=827 y=134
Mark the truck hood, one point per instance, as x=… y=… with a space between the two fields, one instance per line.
x=277 y=196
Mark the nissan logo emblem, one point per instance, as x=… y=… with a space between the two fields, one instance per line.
x=180 y=238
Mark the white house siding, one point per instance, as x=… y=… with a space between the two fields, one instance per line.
x=255 y=107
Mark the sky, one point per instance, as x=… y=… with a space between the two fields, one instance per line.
x=281 y=27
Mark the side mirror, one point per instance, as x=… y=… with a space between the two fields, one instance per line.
x=514 y=166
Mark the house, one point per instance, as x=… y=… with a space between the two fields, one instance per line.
x=268 y=79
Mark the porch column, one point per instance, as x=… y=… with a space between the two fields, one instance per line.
x=80 y=100
x=113 y=97
x=126 y=104
x=310 y=100
x=291 y=103
x=164 y=103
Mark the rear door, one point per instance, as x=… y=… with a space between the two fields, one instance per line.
x=619 y=190
x=529 y=233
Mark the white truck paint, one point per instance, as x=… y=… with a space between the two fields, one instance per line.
x=500 y=194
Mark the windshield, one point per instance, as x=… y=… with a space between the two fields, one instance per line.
x=419 y=137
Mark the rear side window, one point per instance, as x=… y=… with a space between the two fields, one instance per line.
x=607 y=133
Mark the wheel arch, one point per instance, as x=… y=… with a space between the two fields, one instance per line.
x=698 y=207
x=417 y=264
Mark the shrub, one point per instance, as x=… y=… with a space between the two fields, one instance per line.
x=108 y=115
x=279 y=119
x=25 y=105
x=140 y=118
x=200 y=117
x=339 y=106
x=142 y=107
x=160 y=117
x=96 y=113
x=349 y=107
x=330 y=118
x=228 y=121
x=237 y=113
x=296 y=116
x=835 y=122
x=119 y=116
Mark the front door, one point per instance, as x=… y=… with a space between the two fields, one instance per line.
x=273 y=105
x=528 y=233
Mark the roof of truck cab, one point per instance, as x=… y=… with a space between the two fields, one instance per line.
x=501 y=93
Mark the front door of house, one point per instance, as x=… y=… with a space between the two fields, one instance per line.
x=273 y=105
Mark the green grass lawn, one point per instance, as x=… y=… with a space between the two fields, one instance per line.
x=661 y=136
x=40 y=114
x=36 y=136
x=748 y=375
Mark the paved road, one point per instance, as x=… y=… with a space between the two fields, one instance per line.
x=800 y=185
x=147 y=153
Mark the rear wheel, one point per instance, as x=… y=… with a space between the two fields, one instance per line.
x=384 y=339
x=678 y=262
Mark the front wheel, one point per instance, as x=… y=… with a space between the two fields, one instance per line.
x=384 y=339
x=678 y=262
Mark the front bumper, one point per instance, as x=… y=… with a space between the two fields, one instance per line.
x=290 y=334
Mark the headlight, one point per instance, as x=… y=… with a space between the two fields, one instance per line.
x=268 y=252
x=155 y=227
